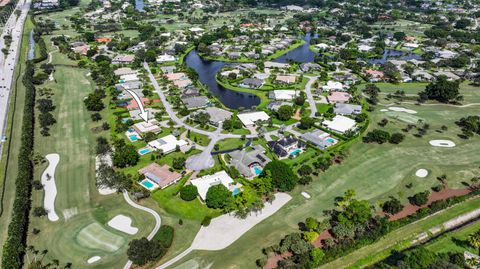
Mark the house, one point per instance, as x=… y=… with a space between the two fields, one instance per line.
x=104 y=40
x=339 y=97
x=305 y=67
x=175 y=76
x=124 y=71
x=164 y=58
x=129 y=78
x=375 y=75
x=450 y=76
x=286 y=147
x=147 y=127
x=132 y=104
x=282 y=95
x=132 y=85
x=249 y=119
x=218 y=115
x=340 y=124
x=249 y=163
x=251 y=83
x=319 y=138
x=422 y=75
x=182 y=83
x=123 y=59
x=410 y=46
x=196 y=102
x=286 y=79
x=347 y=109
x=276 y=65
x=82 y=49
x=160 y=175
x=275 y=105
x=168 y=144
x=168 y=69
x=204 y=183
x=190 y=92
x=333 y=86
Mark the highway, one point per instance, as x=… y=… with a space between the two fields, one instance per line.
x=14 y=27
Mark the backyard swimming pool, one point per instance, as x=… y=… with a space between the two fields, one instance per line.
x=236 y=191
x=133 y=138
x=257 y=169
x=147 y=184
x=331 y=140
x=144 y=151
x=295 y=152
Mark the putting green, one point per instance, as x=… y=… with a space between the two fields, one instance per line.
x=402 y=116
x=94 y=236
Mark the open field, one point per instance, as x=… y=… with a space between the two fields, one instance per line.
x=12 y=145
x=455 y=241
x=374 y=171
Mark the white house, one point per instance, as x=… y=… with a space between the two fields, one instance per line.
x=333 y=86
x=204 y=183
x=249 y=119
x=282 y=95
x=165 y=58
x=340 y=124
x=168 y=144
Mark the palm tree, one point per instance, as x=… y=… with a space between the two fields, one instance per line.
x=474 y=240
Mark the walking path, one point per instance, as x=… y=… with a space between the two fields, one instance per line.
x=158 y=220
x=311 y=100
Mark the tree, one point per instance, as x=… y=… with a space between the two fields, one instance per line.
x=316 y=256
x=378 y=136
x=474 y=240
x=441 y=90
x=306 y=123
x=142 y=251
x=282 y=176
x=178 y=163
x=107 y=177
x=94 y=102
x=218 y=196
x=392 y=206
x=311 y=223
x=399 y=36
x=305 y=170
x=396 y=138
x=124 y=156
x=285 y=112
x=189 y=192
x=420 y=198
x=102 y=147
x=39 y=212
x=310 y=236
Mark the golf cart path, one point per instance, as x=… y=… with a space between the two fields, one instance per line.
x=226 y=229
x=158 y=220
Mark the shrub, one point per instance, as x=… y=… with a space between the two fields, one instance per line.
x=142 y=251
x=392 y=206
x=189 y=193
x=396 y=138
x=420 y=198
x=206 y=221
x=218 y=196
x=165 y=236
x=376 y=136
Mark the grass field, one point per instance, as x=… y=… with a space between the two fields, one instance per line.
x=13 y=132
x=455 y=241
x=374 y=171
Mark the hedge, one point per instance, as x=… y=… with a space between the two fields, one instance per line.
x=165 y=236
x=14 y=246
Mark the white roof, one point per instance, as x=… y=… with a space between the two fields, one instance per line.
x=196 y=29
x=145 y=127
x=339 y=124
x=284 y=94
x=167 y=144
x=204 y=183
x=165 y=58
x=251 y=118
x=333 y=85
x=129 y=77
x=365 y=48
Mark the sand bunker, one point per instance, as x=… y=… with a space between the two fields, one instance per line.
x=123 y=224
x=442 y=143
x=421 y=173
x=401 y=109
x=93 y=259
x=48 y=181
x=306 y=195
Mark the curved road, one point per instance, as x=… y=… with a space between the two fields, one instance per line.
x=158 y=221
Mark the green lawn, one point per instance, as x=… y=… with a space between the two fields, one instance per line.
x=455 y=241
x=231 y=143
x=374 y=171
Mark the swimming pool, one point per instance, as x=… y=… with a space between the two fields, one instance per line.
x=144 y=151
x=295 y=152
x=330 y=140
x=149 y=185
x=236 y=191
x=133 y=138
x=257 y=169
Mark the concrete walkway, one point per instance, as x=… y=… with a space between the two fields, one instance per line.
x=158 y=220
x=311 y=100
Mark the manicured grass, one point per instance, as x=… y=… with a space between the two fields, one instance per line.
x=200 y=139
x=231 y=143
x=78 y=202
x=374 y=171
x=13 y=131
x=455 y=241
x=170 y=200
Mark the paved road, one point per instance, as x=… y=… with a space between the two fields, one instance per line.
x=158 y=221
x=311 y=101
x=14 y=27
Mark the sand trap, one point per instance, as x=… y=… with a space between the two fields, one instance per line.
x=226 y=229
x=383 y=110
x=442 y=143
x=401 y=109
x=306 y=195
x=48 y=181
x=421 y=173
x=93 y=259
x=123 y=224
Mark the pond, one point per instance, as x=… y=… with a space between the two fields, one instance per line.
x=207 y=71
x=390 y=54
